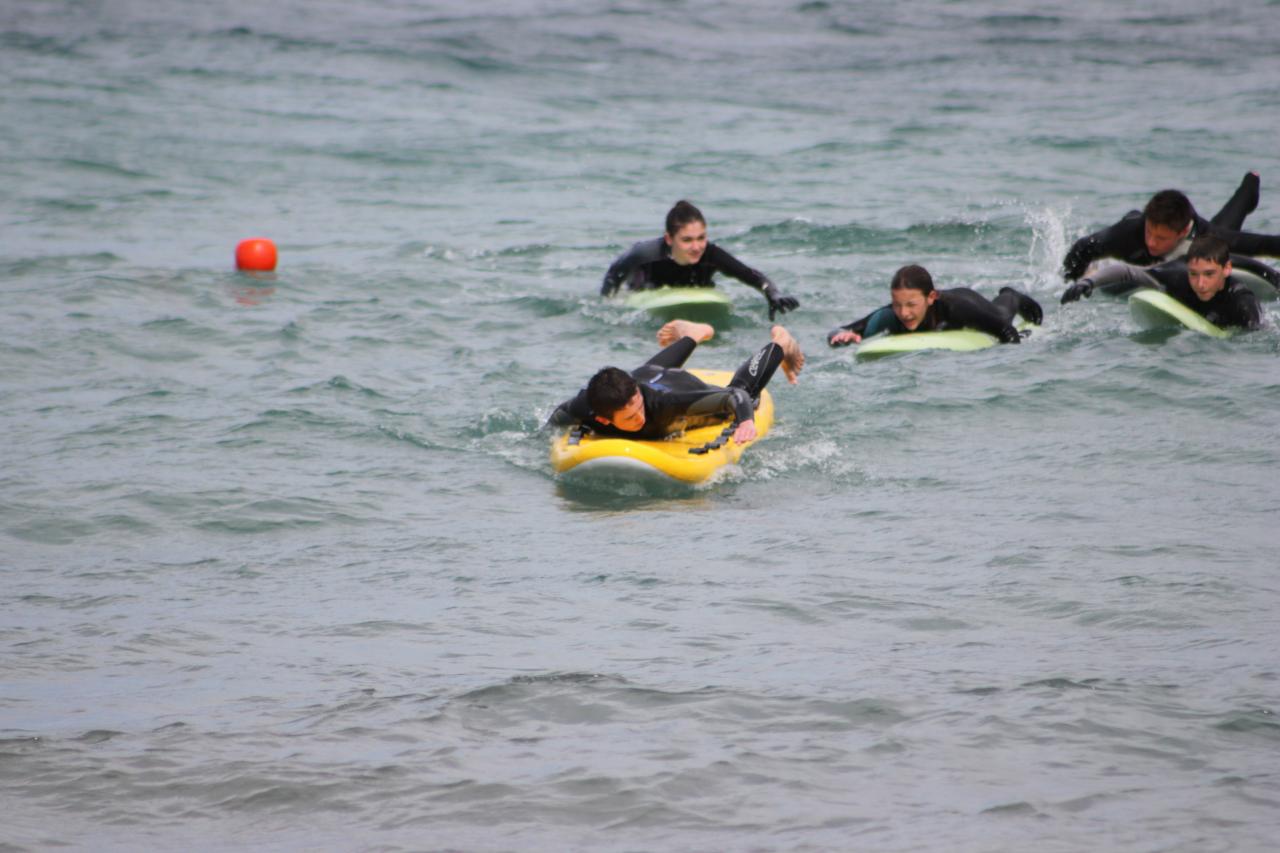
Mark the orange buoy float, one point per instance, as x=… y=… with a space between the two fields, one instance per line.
x=257 y=254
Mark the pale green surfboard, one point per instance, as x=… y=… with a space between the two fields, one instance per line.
x=1152 y=309
x=956 y=340
x=690 y=303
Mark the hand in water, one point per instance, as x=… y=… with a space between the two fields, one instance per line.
x=1084 y=288
x=844 y=337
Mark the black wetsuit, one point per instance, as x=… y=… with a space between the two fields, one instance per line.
x=648 y=264
x=1126 y=239
x=955 y=308
x=1234 y=305
x=675 y=399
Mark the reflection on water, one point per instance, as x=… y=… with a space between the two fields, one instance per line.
x=252 y=294
x=620 y=492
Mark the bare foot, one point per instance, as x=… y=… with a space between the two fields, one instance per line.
x=792 y=358
x=677 y=329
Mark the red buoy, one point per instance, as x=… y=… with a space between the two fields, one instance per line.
x=257 y=254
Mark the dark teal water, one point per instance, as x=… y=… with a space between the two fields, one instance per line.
x=284 y=563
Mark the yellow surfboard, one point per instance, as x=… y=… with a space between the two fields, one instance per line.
x=691 y=456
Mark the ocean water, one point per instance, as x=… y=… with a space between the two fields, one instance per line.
x=284 y=565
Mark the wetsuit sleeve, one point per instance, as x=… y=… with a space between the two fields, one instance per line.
x=734 y=268
x=1245 y=309
x=676 y=354
x=724 y=401
x=880 y=320
x=1250 y=311
x=1118 y=241
x=646 y=251
x=684 y=396
x=1121 y=279
x=575 y=410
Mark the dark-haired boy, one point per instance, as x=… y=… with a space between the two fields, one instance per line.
x=1164 y=229
x=660 y=398
x=1201 y=281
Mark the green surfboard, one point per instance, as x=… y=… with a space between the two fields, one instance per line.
x=956 y=340
x=1152 y=309
x=688 y=303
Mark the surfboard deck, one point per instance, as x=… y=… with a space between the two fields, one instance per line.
x=588 y=455
x=955 y=340
x=688 y=303
x=1152 y=309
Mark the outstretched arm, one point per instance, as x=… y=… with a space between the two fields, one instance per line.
x=575 y=410
x=1117 y=241
x=1117 y=280
x=1250 y=311
x=879 y=320
x=726 y=263
x=1083 y=252
x=729 y=401
x=621 y=269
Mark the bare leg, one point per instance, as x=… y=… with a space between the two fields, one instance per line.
x=792 y=357
x=677 y=329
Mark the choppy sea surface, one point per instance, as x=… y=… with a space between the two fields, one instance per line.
x=283 y=564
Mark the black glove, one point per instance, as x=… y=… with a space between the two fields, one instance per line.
x=1083 y=287
x=779 y=304
x=1009 y=335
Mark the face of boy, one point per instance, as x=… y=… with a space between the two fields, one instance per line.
x=688 y=244
x=630 y=418
x=1161 y=239
x=910 y=306
x=1207 y=278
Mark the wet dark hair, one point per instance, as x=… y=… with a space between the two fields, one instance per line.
x=609 y=390
x=1169 y=208
x=681 y=214
x=912 y=277
x=1210 y=247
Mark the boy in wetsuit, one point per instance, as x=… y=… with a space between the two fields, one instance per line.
x=682 y=257
x=1164 y=228
x=659 y=398
x=1201 y=281
x=917 y=307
